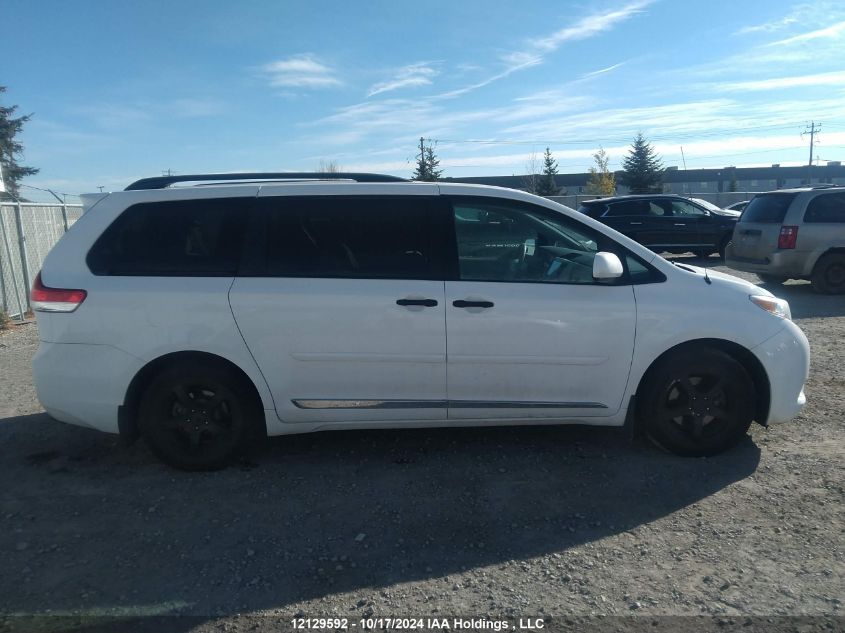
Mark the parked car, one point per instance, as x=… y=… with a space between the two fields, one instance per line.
x=737 y=206
x=794 y=234
x=666 y=222
x=203 y=317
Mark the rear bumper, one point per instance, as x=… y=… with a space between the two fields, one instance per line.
x=786 y=359
x=83 y=384
x=788 y=263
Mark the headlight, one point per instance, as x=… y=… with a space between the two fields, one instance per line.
x=778 y=307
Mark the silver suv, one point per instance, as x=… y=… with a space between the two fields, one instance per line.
x=793 y=234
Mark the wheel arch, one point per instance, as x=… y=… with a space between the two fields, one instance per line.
x=817 y=256
x=741 y=354
x=128 y=411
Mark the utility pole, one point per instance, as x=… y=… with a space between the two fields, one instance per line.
x=422 y=157
x=812 y=130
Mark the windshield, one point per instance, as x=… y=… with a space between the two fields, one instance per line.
x=707 y=205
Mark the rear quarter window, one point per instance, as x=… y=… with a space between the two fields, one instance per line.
x=828 y=207
x=767 y=208
x=173 y=238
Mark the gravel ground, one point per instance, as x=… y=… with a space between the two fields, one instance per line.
x=560 y=522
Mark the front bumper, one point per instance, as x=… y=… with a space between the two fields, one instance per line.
x=786 y=359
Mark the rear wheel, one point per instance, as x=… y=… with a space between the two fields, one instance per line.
x=698 y=401
x=829 y=274
x=197 y=417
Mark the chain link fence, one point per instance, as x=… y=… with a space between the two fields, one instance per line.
x=27 y=233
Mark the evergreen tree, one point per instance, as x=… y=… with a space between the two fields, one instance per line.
x=643 y=169
x=10 y=149
x=602 y=181
x=432 y=164
x=427 y=164
x=547 y=185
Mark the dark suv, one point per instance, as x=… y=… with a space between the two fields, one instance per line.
x=665 y=222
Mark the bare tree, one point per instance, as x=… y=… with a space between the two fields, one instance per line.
x=531 y=181
x=602 y=181
x=329 y=167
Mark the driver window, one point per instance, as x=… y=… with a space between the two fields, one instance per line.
x=685 y=209
x=516 y=243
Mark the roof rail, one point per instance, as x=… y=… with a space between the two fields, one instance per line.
x=824 y=185
x=161 y=182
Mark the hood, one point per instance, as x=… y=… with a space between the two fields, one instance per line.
x=727 y=213
x=728 y=280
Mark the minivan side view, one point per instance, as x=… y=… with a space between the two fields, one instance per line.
x=205 y=317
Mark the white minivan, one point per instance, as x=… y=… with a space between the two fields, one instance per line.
x=203 y=316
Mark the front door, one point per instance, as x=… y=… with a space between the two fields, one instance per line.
x=530 y=333
x=343 y=308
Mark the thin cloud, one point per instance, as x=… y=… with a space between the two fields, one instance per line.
x=300 y=71
x=536 y=50
x=411 y=76
x=832 y=31
x=776 y=83
x=602 y=71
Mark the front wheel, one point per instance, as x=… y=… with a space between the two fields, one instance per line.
x=698 y=401
x=196 y=417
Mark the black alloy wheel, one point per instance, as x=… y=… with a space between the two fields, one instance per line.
x=698 y=402
x=195 y=417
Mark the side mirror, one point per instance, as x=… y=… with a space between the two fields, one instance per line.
x=607 y=266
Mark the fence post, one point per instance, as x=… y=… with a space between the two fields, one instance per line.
x=64 y=215
x=9 y=258
x=22 y=249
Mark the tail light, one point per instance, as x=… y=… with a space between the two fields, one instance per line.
x=46 y=299
x=788 y=236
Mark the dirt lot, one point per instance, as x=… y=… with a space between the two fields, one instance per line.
x=501 y=522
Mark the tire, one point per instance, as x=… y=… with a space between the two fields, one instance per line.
x=772 y=279
x=702 y=253
x=196 y=416
x=698 y=401
x=829 y=274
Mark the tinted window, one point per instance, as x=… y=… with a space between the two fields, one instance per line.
x=767 y=208
x=593 y=210
x=828 y=207
x=628 y=207
x=339 y=236
x=522 y=243
x=174 y=238
x=687 y=210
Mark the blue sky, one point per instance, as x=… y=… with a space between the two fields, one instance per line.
x=122 y=90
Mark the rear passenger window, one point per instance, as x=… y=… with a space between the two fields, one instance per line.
x=828 y=207
x=173 y=238
x=357 y=237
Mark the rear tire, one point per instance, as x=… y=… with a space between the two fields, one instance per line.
x=196 y=416
x=829 y=274
x=699 y=401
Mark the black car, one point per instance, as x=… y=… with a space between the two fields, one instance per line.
x=666 y=223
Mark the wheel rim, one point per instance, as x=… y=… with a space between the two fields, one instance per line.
x=698 y=406
x=197 y=419
x=834 y=275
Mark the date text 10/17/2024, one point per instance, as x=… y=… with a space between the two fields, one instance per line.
x=417 y=624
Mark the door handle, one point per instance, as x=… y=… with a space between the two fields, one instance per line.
x=460 y=303
x=428 y=303
x=680 y=224
x=633 y=223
